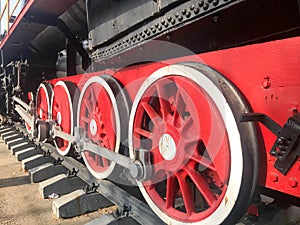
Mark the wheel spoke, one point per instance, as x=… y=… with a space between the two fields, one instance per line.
x=186 y=195
x=55 y=107
x=105 y=162
x=88 y=105
x=207 y=163
x=144 y=133
x=171 y=192
x=187 y=125
x=163 y=100
x=93 y=95
x=201 y=184
x=179 y=107
x=150 y=111
x=85 y=119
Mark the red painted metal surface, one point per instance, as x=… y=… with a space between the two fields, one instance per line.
x=249 y=68
x=268 y=76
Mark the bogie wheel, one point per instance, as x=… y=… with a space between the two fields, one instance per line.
x=62 y=113
x=43 y=101
x=187 y=116
x=43 y=109
x=103 y=112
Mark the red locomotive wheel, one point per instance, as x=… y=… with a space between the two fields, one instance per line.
x=43 y=100
x=98 y=115
x=184 y=119
x=62 y=113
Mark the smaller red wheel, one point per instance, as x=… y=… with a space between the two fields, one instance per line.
x=62 y=113
x=43 y=108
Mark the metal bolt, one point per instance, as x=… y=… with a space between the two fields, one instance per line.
x=293 y=182
x=192 y=7
x=210 y=1
x=274 y=177
x=156 y=25
x=215 y=2
x=205 y=6
x=153 y=29
x=266 y=83
x=282 y=143
x=201 y=3
x=188 y=14
x=170 y=18
x=183 y=11
x=216 y=19
x=196 y=10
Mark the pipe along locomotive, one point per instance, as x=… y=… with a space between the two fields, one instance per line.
x=196 y=102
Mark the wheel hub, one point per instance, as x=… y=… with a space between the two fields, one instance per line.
x=167 y=147
x=93 y=127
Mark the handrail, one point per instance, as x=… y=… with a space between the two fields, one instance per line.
x=15 y=7
x=2 y=12
x=6 y=10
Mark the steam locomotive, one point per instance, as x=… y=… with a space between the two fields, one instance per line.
x=195 y=102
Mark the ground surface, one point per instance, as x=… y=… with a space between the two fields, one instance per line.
x=20 y=202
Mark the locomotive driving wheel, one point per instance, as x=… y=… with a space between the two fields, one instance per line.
x=187 y=117
x=43 y=108
x=103 y=113
x=62 y=113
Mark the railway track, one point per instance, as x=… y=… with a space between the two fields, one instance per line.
x=75 y=191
